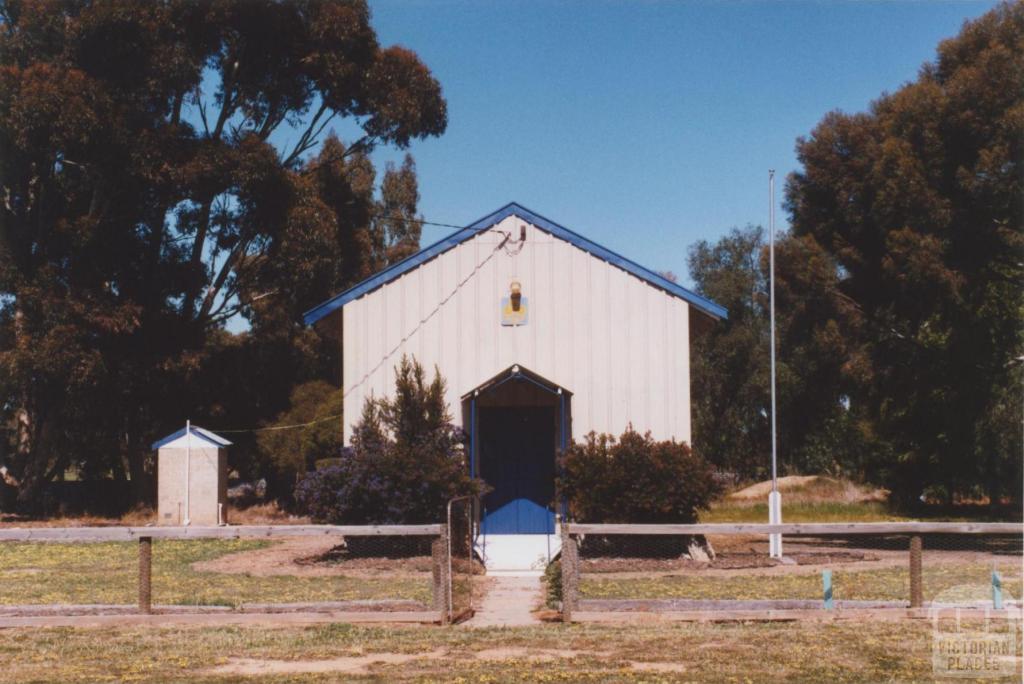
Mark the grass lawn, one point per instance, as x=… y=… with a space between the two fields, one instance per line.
x=43 y=573
x=876 y=584
x=801 y=511
x=792 y=652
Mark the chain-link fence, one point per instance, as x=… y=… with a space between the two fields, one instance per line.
x=465 y=568
x=728 y=568
x=392 y=570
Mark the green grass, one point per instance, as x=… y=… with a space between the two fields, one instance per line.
x=838 y=653
x=877 y=584
x=44 y=573
x=802 y=511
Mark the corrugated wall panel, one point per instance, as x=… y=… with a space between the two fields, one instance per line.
x=620 y=318
x=617 y=343
x=579 y=340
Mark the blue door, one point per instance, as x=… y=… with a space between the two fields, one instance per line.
x=517 y=460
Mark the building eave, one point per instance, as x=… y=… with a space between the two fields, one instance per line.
x=704 y=305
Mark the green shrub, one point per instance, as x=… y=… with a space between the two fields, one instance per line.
x=292 y=452
x=553 y=585
x=635 y=479
x=406 y=461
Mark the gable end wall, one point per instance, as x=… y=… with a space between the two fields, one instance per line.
x=619 y=344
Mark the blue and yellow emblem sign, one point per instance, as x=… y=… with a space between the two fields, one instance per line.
x=510 y=315
x=514 y=307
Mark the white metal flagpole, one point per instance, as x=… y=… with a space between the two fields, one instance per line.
x=774 y=498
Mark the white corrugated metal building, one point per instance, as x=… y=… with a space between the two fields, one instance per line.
x=541 y=336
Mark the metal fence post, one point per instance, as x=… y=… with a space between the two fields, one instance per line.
x=570 y=574
x=916 y=588
x=145 y=574
x=439 y=573
x=997 y=590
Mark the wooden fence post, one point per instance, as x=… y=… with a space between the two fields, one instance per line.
x=916 y=585
x=145 y=575
x=439 y=573
x=570 y=574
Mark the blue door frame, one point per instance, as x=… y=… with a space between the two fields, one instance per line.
x=520 y=503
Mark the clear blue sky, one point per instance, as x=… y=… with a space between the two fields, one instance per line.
x=646 y=126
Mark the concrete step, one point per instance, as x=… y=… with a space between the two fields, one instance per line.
x=518 y=552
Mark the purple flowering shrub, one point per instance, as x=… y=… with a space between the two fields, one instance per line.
x=405 y=462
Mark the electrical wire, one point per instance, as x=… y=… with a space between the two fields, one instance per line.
x=272 y=428
x=391 y=217
x=476 y=269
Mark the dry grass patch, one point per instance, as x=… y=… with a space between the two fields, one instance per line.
x=259 y=514
x=800 y=582
x=795 y=652
x=107 y=572
x=728 y=511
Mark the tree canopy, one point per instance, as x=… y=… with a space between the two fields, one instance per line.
x=901 y=316
x=918 y=202
x=157 y=182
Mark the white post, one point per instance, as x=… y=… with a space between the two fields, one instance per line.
x=188 y=472
x=774 y=498
x=775 y=518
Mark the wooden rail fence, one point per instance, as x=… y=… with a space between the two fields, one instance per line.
x=441 y=581
x=572 y=532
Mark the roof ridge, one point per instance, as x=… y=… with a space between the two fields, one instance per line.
x=446 y=243
x=196 y=431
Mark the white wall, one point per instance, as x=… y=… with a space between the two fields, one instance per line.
x=620 y=345
x=207 y=478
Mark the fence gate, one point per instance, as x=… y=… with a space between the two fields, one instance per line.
x=463 y=568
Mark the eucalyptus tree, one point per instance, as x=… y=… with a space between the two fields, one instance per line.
x=918 y=203
x=157 y=182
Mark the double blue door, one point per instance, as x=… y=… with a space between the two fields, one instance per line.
x=517 y=460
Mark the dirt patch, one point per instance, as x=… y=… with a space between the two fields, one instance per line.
x=811 y=488
x=351 y=664
x=536 y=655
x=302 y=557
x=761 y=489
x=362 y=664
x=12 y=572
x=832 y=557
x=725 y=561
x=657 y=667
x=339 y=556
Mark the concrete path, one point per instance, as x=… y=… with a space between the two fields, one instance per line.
x=509 y=600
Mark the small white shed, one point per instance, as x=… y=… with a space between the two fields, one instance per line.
x=192 y=477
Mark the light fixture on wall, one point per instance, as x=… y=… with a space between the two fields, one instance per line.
x=514 y=306
x=516 y=295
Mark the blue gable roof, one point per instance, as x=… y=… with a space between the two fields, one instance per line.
x=427 y=253
x=199 y=433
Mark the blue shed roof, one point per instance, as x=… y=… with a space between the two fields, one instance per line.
x=392 y=272
x=197 y=432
